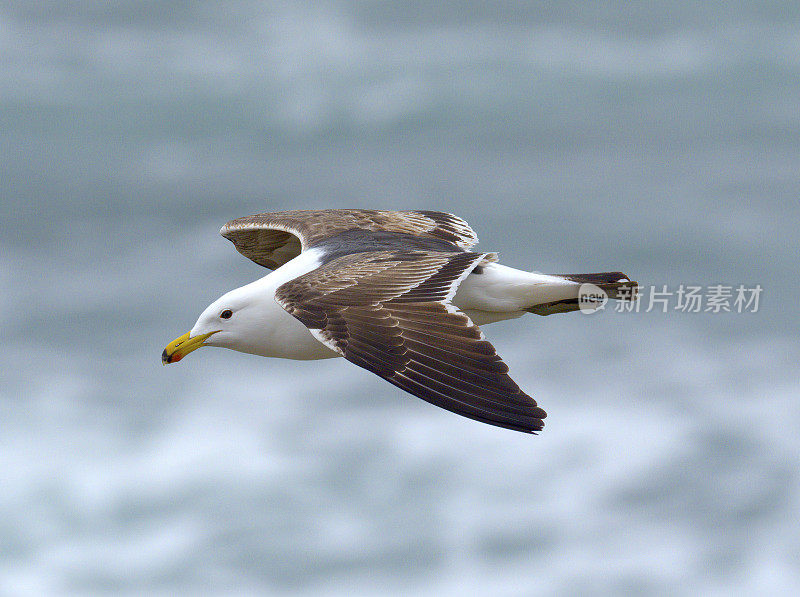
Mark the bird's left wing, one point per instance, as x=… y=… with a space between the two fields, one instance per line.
x=390 y=313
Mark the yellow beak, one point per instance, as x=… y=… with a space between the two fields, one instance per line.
x=180 y=347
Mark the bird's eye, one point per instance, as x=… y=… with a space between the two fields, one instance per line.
x=226 y=314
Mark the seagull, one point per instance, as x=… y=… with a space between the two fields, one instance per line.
x=398 y=293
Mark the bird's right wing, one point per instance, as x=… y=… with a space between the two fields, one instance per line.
x=390 y=313
x=272 y=239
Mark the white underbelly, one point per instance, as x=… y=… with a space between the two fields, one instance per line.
x=500 y=292
x=483 y=317
x=293 y=340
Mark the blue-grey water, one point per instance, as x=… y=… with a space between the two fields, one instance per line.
x=660 y=138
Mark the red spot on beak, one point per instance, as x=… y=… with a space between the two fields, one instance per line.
x=170 y=358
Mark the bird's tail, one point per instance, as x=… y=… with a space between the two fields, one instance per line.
x=614 y=285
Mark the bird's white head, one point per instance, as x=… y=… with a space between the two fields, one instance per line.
x=238 y=319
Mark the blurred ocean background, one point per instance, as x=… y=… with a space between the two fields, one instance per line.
x=658 y=138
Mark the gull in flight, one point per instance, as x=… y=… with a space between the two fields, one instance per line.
x=398 y=293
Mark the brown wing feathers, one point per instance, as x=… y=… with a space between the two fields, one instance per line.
x=272 y=239
x=388 y=312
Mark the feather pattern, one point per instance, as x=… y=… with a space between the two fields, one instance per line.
x=390 y=313
x=272 y=239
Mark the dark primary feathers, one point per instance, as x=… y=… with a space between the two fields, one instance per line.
x=390 y=313
x=272 y=239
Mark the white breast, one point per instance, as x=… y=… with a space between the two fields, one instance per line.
x=282 y=335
